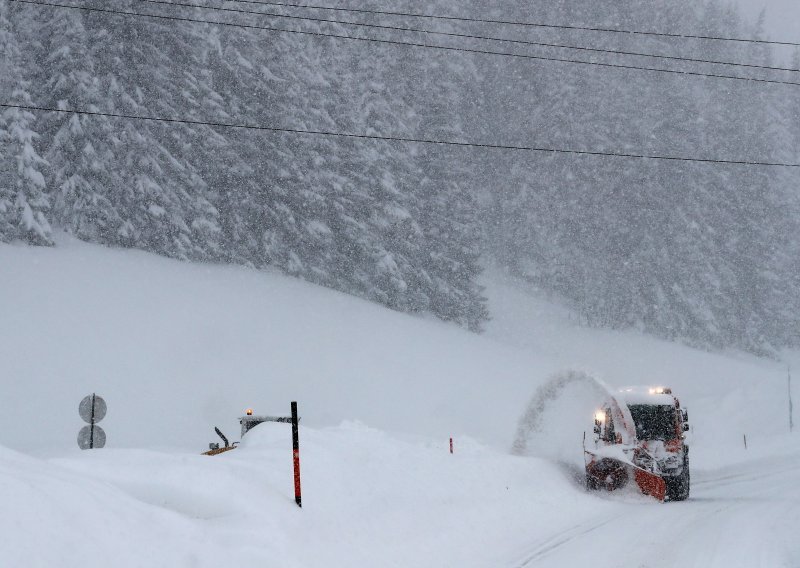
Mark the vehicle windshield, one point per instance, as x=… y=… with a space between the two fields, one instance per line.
x=653 y=422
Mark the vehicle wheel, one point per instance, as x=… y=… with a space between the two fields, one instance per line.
x=606 y=474
x=678 y=486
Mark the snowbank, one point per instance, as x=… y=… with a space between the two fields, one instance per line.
x=369 y=500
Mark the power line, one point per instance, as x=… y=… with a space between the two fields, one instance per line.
x=431 y=141
x=412 y=44
x=470 y=36
x=517 y=23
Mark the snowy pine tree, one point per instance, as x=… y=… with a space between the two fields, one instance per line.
x=24 y=204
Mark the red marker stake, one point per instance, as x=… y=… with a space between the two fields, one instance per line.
x=296 y=456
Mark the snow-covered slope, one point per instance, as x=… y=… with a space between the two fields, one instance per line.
x=177 y=348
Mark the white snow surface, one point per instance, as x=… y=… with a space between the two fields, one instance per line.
x=176 y=349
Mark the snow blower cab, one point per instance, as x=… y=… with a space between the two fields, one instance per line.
x=639 y=436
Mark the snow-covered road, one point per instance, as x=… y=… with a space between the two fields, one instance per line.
x=744 y=515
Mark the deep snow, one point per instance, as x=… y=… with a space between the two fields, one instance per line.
x=178 y=348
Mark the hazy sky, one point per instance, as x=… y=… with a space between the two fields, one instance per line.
x=783 y=17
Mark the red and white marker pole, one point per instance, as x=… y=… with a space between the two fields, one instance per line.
x=296 y=456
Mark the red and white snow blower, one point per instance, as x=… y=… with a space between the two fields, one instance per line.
x=639 y=436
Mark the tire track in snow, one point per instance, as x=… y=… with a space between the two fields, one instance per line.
x=747 y=518
x=560 y=539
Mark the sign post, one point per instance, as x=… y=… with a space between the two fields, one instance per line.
x=92 y=409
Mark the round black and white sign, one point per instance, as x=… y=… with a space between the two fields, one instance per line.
x=87 y=439
x=87 y=410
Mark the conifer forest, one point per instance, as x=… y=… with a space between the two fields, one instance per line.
x=400 y=158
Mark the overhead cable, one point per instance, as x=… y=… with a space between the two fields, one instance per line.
x=518 y=23
x=403 y=139
x=471 y=36
x=410 y=44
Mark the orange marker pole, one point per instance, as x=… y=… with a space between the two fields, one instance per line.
x=296 y=456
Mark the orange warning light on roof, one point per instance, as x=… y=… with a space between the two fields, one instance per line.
x=249 y=411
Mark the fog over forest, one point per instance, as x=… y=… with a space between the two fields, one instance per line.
x=700 y=252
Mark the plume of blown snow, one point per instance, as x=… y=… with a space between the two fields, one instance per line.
x=558 y=417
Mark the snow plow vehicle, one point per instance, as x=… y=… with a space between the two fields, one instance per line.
x=640 y=437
